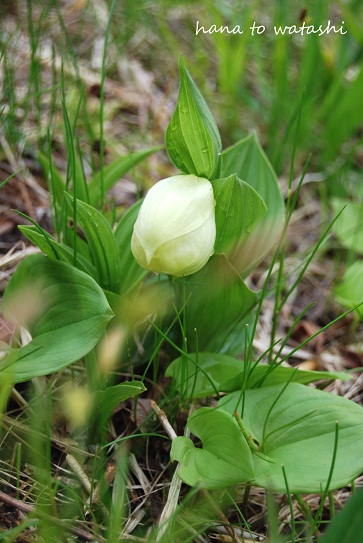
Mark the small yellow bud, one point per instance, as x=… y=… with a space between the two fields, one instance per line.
x=175 y=230
x=77 y=403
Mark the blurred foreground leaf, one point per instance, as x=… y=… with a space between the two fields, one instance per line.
x=64 y=310
x=347 y=526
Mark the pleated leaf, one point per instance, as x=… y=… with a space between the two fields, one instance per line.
x=55 y=250
x=238 y=209
x=192 y=138
x=102 y=243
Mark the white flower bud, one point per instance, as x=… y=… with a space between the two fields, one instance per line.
x=175 y=229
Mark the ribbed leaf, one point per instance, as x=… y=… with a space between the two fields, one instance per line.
x=249 y=162
x=55 y=250
x=102 y=243
x=315 y=435
x=238 y=209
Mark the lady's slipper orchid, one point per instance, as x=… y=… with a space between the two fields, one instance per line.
x=175 y=229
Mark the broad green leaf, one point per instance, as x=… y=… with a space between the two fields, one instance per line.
x=300 y=434
x=261 y=375
x=132 y=272
x=200 y=375
x=347 y=526
x=239 y=335
x=192 y=139
x=348 y=228
x=114 y=171
x=64 y=310
x=216 y=299
x=225 y=458
x=102 y=243
x=238 y=209
x=107 y=400
x=247 y=159
x=350 y=291
x=55 y=250
x=114 y=300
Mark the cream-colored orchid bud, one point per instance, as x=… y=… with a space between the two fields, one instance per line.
x=175 y=229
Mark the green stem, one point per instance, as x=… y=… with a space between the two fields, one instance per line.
x=304 y=509
x=252 y=445
x=291 y=506
x=246 y=495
